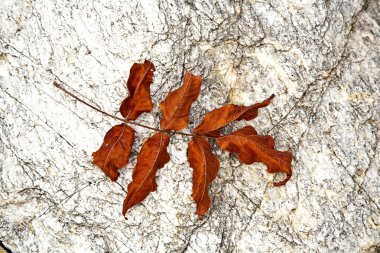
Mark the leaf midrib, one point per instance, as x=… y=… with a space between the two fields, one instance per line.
x=179 y=101
x=150 y=170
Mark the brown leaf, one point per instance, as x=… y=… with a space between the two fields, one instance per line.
x=256 y=148
x=215 y=120
x=153 y=156
x=176 y=106
x=114 y=152
x=139 y=81
x=205 y=169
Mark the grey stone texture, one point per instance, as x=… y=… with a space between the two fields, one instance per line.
x=320 y=57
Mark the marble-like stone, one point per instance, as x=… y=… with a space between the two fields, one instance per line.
x=320 y=57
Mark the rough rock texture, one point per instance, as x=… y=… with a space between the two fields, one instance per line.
x=320 y=57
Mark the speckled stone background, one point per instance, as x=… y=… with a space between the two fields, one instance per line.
x=320 y=57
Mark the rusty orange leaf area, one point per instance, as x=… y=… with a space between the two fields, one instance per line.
x=114 y=152
x=176 y=106
x=152 y=156
x=249 y=147
x=138 y=101
x=205 y=169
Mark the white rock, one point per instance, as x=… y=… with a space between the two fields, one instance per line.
x=320 y=58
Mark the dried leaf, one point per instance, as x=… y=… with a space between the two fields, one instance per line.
x=215 y=120
x=176 y=106
x=114 y=152
x=256 y=148
x=205 y=169
x=153 y=156
x=139 y=81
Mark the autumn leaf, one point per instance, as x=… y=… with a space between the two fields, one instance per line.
x=256 y=148
x=215 y=120
x=114 y=152
x=139 y=81
x=153 y=156
x=205 y=169
x=176 y=106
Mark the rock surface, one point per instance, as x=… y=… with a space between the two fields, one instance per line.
x=320 y=57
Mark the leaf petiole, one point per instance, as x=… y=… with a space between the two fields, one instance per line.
x=59 y=86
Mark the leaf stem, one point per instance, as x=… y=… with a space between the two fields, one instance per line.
x=59 y=86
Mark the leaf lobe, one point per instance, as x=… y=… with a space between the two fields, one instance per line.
x=257 y=148
x=176 y=106
x=215 y=120
x=114 y=152
x=205 y=169
x=152 y=156
x=138 y=100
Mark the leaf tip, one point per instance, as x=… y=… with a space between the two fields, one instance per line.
x=151 y=65
x=124 y=210
x=114 y=177
x=283 y=182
